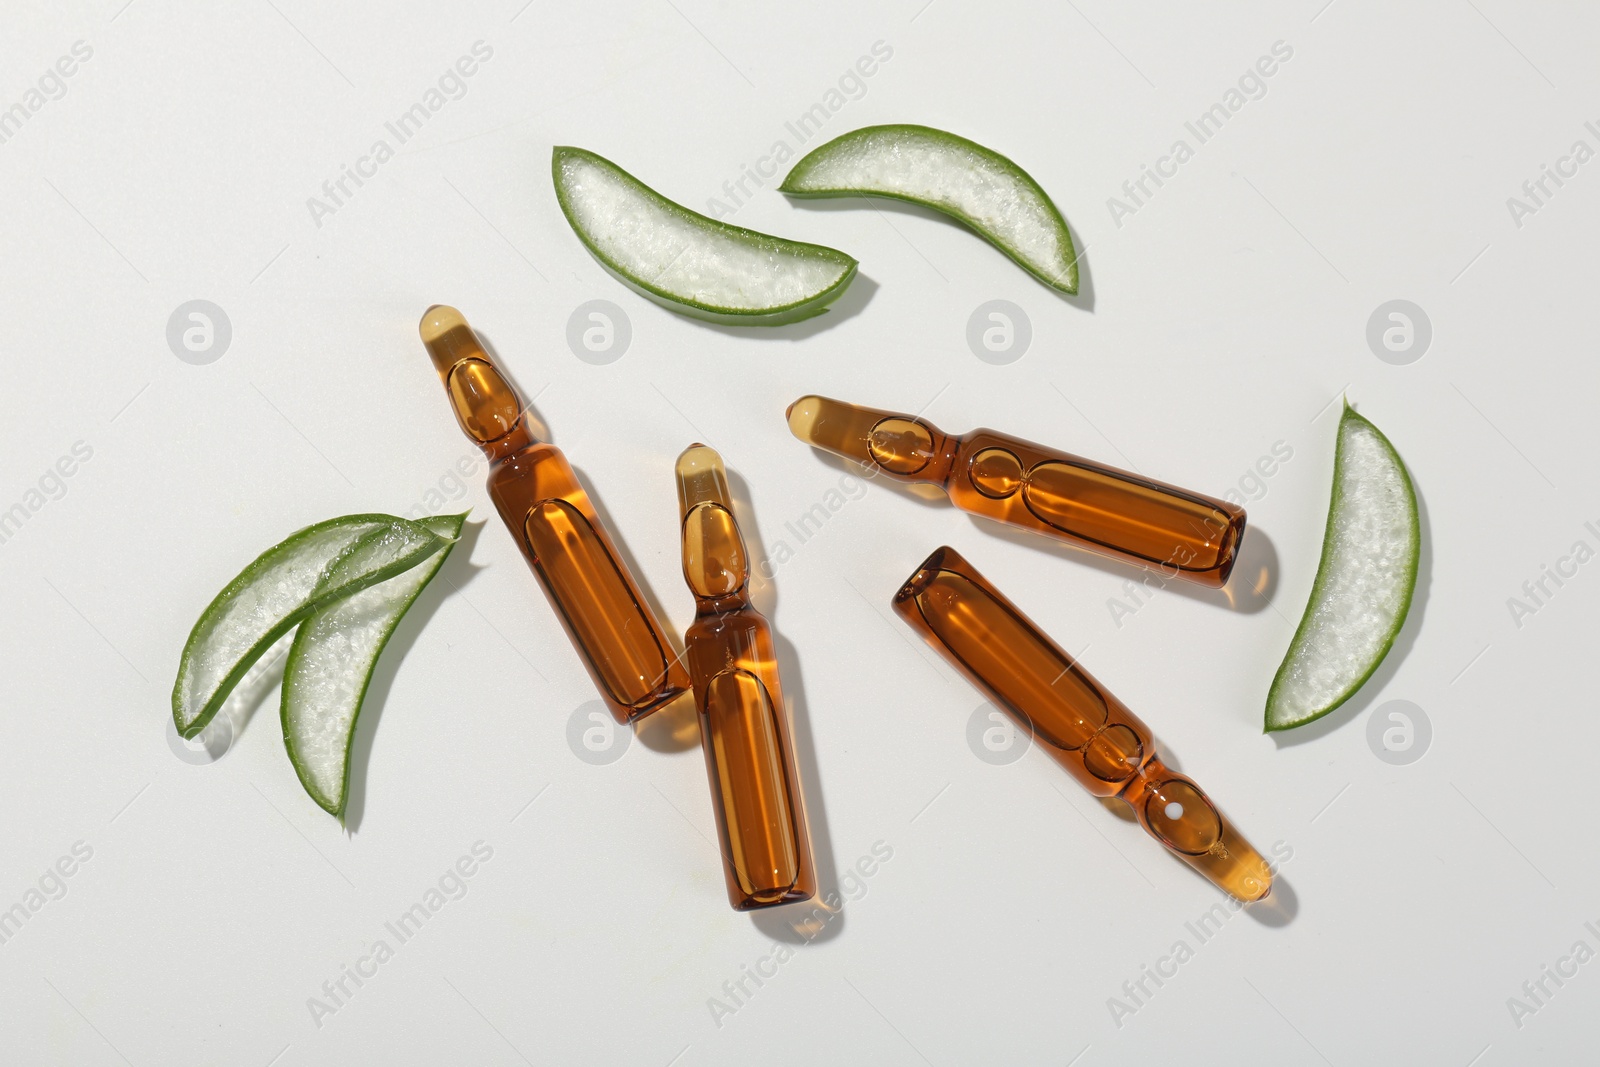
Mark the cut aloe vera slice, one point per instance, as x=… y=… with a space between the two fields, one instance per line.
x=1364 y=581
x=272 y=595
x=686 y=261
x=330 y=663
x=951 y=174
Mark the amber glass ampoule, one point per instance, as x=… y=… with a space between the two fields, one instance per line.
x=555 y=524
x=761 y=820
x=1087 y=730
x=1110 y=511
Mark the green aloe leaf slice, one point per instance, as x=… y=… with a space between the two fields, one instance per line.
x=331 y=661
x=970 y=183
x=686 y=261
x=283 y=586
x=1364 y=582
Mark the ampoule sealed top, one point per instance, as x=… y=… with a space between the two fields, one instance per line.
x=555 y=524
x=1073 y=717
x=1106 y=510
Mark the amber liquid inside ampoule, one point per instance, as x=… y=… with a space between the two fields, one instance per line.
x=755 y=789
x=1085 y=728
x=1110 y=511
x=555 y=524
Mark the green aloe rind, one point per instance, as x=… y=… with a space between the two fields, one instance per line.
x=973 y=184
x=1365 y=580
x=274 y=593
x=686 y=261
x=331 y=662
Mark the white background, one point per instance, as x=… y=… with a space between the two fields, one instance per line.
x=1227 y=314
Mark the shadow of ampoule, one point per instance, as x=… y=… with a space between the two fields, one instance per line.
x=672 y=728
x=1279 y=907
x=458 y=570
x=1403 y=642
x=763 y=587
x=930 y=496
x=1250 y=587
x=810 y=921
x=885 y=206
x=536 y=425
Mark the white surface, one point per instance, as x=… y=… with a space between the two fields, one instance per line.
x=1229 y=313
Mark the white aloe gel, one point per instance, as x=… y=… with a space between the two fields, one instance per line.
x=685 y=260
x=282 y=586
x=950 y=174
x=1364 y=582
x=331 y=662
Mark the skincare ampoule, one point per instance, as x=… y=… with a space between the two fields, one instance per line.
x=555 y=524
x=1100 y=508
x=1082 y=726
x=761 y=820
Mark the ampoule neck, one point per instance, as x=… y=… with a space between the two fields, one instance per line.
x=485 y=403
x=716 y=607
x=519 y=441
x=907 y=447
